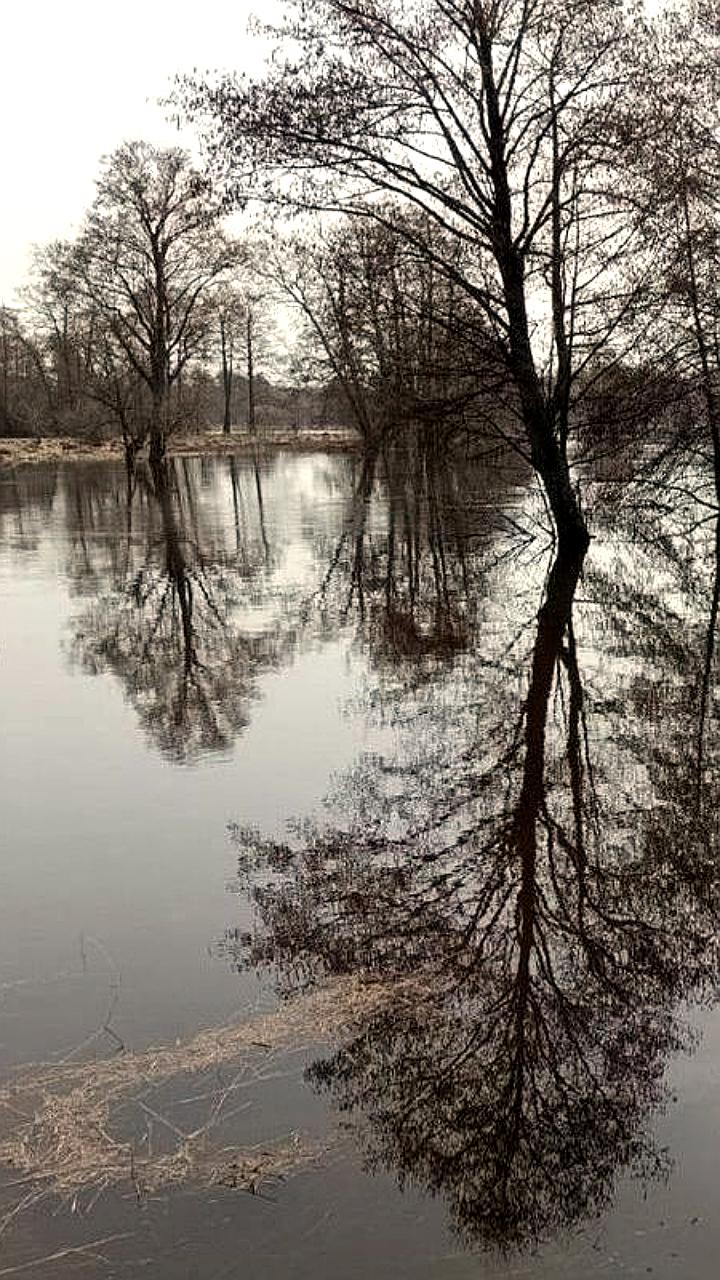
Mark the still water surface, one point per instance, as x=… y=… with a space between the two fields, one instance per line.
x=510 y=825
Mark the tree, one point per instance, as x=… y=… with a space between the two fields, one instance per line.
x=88 y=380
x=677 y=160
x=498 y=122
x=22 y=377
x=230 y=320
x=66 y=326
x=396 y=334
x=148 y=259
x=245 y=326
x=250 y=355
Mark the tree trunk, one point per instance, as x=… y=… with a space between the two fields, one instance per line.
x=250 y=375
x=227 y=374
x=550 y=462
x=539 y=410
x=157 y=429
x=547 y=446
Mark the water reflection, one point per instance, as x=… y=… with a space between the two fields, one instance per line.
x=26 y=499
x=164 y=617
x=420 y=536
x=188 y=608
x=535 y=879
x=531 y=874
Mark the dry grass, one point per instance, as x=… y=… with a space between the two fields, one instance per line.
x=76 y=1130
x=21 y=451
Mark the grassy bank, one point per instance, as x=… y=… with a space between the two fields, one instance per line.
x=17 y=451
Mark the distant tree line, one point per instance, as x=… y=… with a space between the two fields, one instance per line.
x=148 y=322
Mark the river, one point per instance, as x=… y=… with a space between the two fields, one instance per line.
x=360 y=885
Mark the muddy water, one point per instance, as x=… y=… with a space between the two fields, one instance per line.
x=512 y=830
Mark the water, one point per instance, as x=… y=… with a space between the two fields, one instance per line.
x=185 y=671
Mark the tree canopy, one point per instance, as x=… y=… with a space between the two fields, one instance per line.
x=501 y=124
x=148 y=257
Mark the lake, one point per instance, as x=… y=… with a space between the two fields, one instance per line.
x=360 y=877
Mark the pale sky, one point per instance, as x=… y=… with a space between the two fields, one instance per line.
x=77 y=78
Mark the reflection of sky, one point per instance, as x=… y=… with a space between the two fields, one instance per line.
x=101 y=836
x=111 y=853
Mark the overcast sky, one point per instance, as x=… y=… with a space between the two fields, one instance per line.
x=77 y=78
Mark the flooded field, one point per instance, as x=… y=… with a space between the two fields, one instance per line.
x=360 y=877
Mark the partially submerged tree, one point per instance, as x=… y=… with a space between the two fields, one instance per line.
x=497 y=122
x=147 y=260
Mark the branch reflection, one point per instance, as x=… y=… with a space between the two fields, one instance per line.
x=168 y=627
x=539 y=935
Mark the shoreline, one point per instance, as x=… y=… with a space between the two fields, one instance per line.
x=22 y=450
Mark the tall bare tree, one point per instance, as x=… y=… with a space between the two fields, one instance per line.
x=149 y=255
x=498 y=122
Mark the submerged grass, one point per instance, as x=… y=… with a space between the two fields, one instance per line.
x=77 y=1129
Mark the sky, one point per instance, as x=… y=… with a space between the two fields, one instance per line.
x=78 y=78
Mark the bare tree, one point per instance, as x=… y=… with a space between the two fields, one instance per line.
x=498 y=122
x=66 y=328
x=148 y=258
x=674 y=125
x=230 y=319
x=24 y=389
x=393 y=331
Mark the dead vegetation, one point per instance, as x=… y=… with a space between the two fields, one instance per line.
x=77 y=1129
x=19 y=451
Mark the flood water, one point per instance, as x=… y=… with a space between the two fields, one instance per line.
x=350 y=767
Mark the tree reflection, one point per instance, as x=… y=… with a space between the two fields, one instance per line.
x=538 y=934
x=420 y=535
x=168 y=629
x=27 y=495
